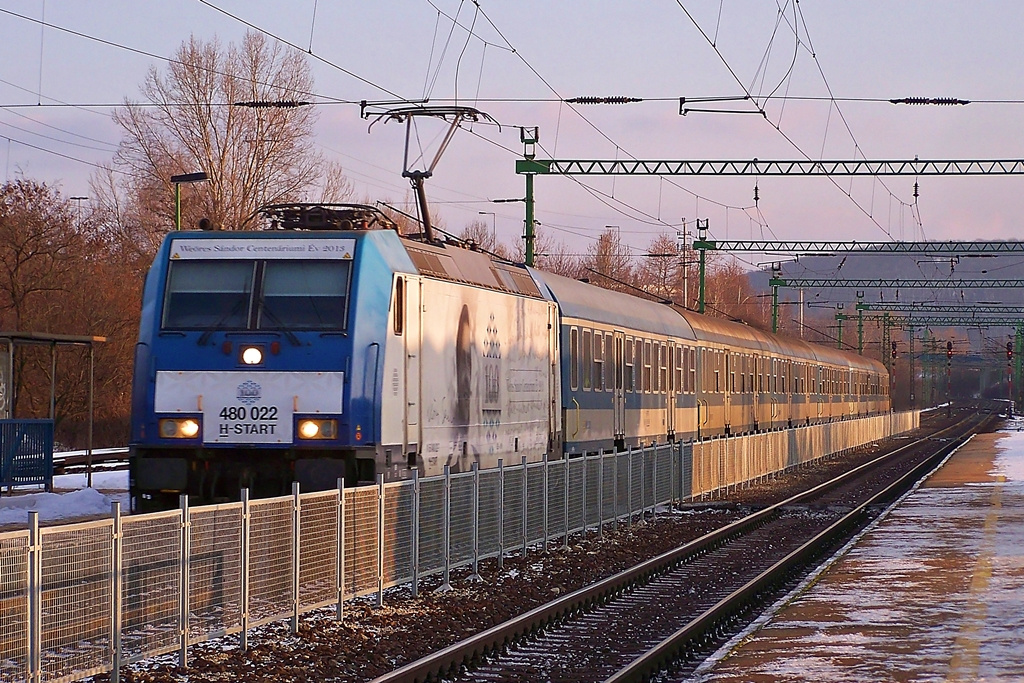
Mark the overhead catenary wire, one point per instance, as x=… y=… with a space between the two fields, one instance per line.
x=760 y=109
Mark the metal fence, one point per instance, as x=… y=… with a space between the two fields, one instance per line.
x=26 y=452
x=80 y=599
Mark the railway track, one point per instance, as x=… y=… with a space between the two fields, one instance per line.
x=674 y=609
x=69 y=462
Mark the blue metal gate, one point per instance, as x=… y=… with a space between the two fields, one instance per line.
x=26 y=452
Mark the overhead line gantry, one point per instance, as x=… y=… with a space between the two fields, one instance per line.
x=1015 y=349
x=761 y=167
x=778 y=281
x=530 y=166
x=820 y=248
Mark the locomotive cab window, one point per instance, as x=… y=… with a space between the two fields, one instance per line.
x=304 y=295
x=208 y=295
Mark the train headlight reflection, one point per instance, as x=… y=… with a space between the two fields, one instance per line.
x=179 y=428
x=318 y=429
x=252 y=355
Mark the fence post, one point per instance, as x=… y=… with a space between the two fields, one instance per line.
x=415 y=531
x=380 y=540
x=629 y=487
x=447 y=586
x=526 y=499
x=475 y=576
x=615 y=489
x=544 y=506
x=296 y=550
x=186 y=551
x=501 y=513
x=586 y=473
x=672 y=475
x=565 y=512
x=643 y=482
x=246 y=516
x=115 y=593
x=654 y=485
x=341 y=549
x=600 y=494
x=35 y=597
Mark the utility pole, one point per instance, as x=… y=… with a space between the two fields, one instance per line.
x=840 y=317
x=913 y=378
x=702 y=236
x=1018 y=352
x=949 y=369
x=686 y=267
x=860 y=324
x=776 y=274
x=801 y=312
x=529 y=138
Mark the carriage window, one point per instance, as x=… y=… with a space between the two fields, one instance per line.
x=588 y=359
x=630 y=381
x=308 y=295
x=399 y=305
x=598 y=361
x=662 y=368
x=677 y=369
x=638 y=366
x=647 y=367
x=611 y=364
x=617 y=370
x=691 y=364
x=208 y=295
x=574 y=358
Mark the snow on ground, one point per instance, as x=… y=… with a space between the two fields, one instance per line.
x=70 y=500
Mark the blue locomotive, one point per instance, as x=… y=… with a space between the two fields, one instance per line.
x=329 y=346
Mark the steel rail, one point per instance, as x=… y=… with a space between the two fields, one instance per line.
x=463 y=653
x=64 y=459
x=661 y=655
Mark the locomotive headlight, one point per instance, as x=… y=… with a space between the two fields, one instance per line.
x=179 y=428
x=252 y=355
x=317 y=429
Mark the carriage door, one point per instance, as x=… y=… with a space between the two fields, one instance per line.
x=668 y=385
x=413 y=339
x=619 y=392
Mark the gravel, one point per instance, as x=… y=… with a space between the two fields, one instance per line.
x=372 y=640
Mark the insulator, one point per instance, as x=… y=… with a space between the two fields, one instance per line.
x=930 y=100
x=603 y=100
x=273 y=104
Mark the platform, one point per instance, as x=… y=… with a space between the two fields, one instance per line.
x=933 y=592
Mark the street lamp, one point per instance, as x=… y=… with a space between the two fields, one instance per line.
x=494 y=235
x=79 y=201
x=178 y=181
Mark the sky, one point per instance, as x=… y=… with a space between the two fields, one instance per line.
x=822 y=72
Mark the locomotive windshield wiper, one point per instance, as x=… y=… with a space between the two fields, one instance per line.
x=277 y=321
x=205 y=336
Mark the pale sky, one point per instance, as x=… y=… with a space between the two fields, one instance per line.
x=523 y=56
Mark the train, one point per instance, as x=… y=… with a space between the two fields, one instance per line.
x=327 y=346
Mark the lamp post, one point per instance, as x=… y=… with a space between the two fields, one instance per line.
x=178 y=181
x=79 y=201
x=494 y=234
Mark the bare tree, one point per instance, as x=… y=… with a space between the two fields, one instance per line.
x=193 y=121
x=609 y=263
x=729 y=294
x=39 y=250
x=661 y=270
